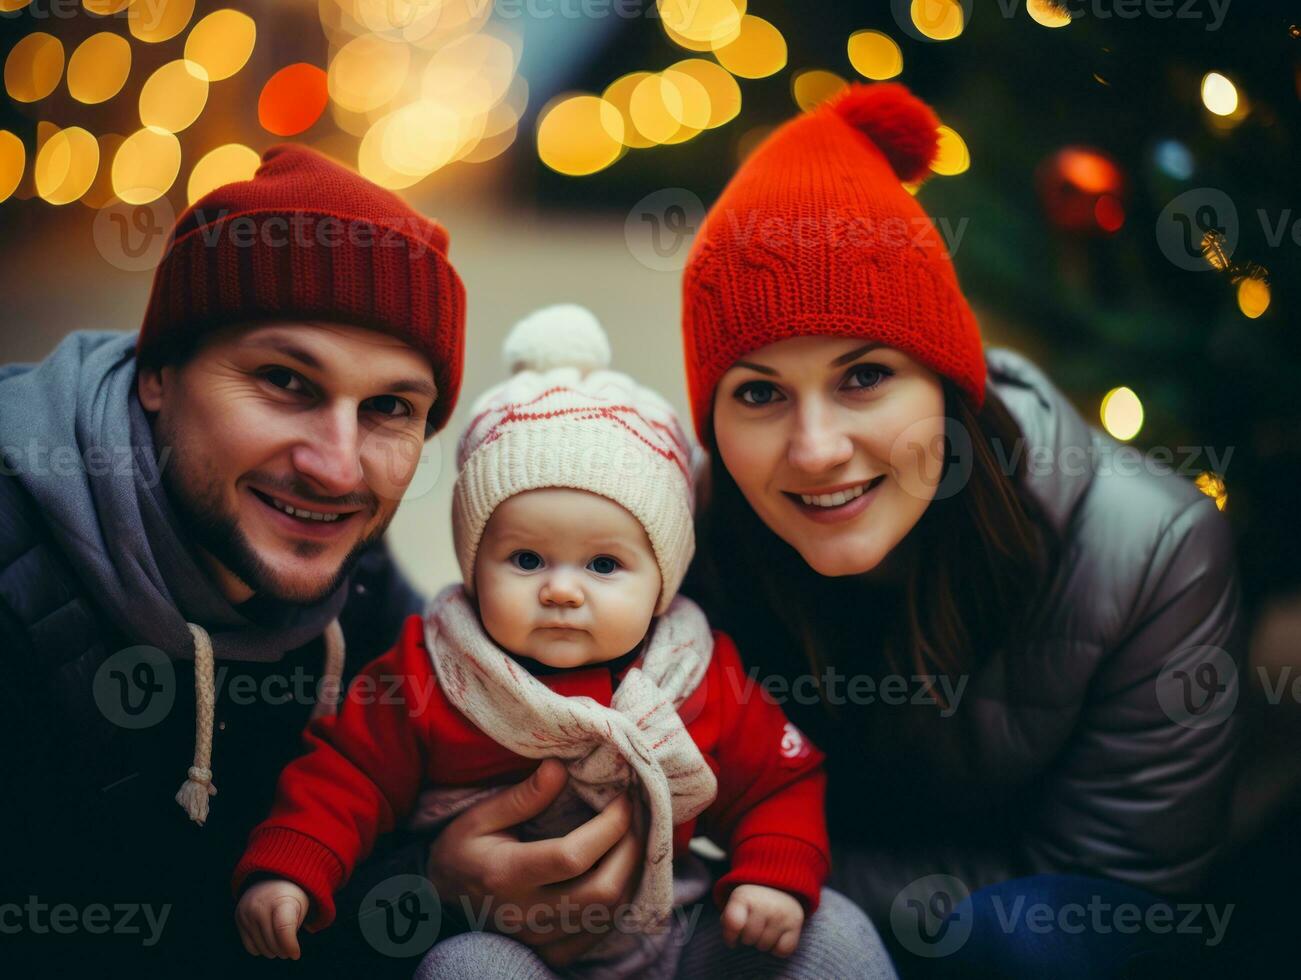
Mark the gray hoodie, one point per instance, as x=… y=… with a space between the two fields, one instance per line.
x=74 y=434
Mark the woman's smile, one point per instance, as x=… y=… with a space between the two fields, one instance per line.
x=840 y=505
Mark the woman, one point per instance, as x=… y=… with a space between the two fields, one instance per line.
x=1019 y=654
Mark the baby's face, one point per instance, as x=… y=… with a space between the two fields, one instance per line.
x=565 y=577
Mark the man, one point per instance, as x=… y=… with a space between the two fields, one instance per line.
x=190 y=543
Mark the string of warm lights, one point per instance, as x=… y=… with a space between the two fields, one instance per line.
x=419 y=85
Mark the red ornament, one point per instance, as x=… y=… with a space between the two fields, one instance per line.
x=1082 y=190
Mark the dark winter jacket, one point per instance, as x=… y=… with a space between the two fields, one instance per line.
x=90 y=761
x=1105 y=748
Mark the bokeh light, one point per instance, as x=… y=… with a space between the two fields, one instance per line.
x=368 y=72
x=1253 y=297
x=1174 y=159
x=293 y=99
x=370 y=158
x=156 y=21
x=1122 y=413
x=174 y=96
x=34 y=67
x=1109 y=213
x=758 y=50
x=579 y=134
x=146 y=165
x=939 y=20
x=1048 y=13
x=13 y=161
x=690 y=108
x=812 y=88
x=701 y=25
x=99 y=67
x=952 y=157
x=750 y=140
x=66 y=165
x=657 y=108
x=875 y=55
x=450 y=19
x=105 y=8
x=1212 y=484
x=720 y=87
x=100 y=193
x=619 y=94
x=471 y=74
x=224 y=165
x=222 y=43
x=1219 y=95
x=422 y=137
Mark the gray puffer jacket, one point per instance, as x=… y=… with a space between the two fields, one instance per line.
x=1107 y=747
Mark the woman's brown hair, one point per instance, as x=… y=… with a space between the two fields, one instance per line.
x=974 y=568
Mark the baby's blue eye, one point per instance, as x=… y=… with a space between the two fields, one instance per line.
x=604 y=565
x=526 y=560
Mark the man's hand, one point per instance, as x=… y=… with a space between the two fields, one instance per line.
x=765 y=918
x=477 y=858
x=268 y=916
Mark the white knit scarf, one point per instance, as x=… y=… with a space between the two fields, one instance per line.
x=638 y=740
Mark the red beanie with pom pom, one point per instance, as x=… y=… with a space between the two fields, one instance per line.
x=816 y=234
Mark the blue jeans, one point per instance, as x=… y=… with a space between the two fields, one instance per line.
x=1072 y=926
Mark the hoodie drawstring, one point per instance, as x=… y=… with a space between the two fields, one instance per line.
x=195 y=791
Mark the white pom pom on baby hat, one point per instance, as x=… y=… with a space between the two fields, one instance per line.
x=564 y=335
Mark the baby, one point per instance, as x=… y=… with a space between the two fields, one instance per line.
x=567 y=639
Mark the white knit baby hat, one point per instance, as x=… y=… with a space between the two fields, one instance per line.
x=563 y=419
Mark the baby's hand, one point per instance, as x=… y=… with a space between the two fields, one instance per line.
x=765 y=918
x=268 y=915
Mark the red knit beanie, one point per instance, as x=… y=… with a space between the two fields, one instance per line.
x=309 y=239
x=816 y=234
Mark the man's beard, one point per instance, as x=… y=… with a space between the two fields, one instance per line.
x=198 y=504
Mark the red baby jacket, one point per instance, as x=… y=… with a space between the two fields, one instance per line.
x=396 y=733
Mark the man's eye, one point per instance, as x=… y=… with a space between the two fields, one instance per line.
x=604 y=565
x=756 y=393
x=391 y=405
x=282 y=377
x=527 y=561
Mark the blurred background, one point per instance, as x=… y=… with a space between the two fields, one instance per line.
x=1117 y=183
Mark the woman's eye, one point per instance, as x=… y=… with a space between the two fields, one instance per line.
x=867 y=375
x=282 y=377
x=756 y=393
x=604 y=565
x=391 y=405
x=526 y=560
